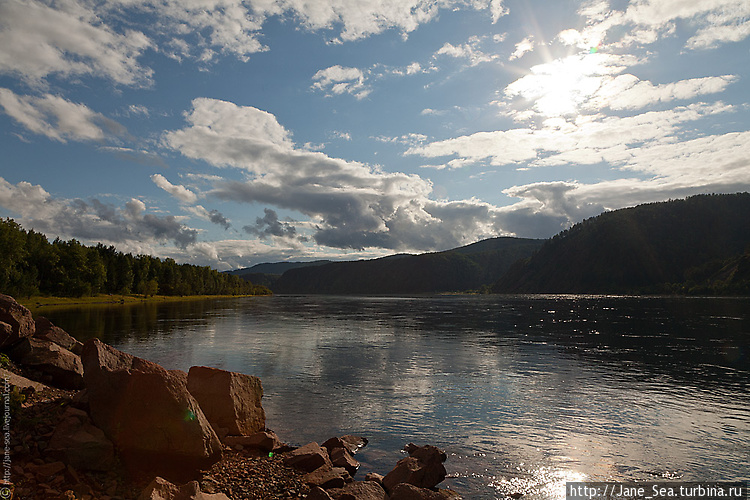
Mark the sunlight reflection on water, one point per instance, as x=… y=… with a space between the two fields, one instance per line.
x=523 y=393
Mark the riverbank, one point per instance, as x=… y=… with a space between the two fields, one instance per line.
x=40 y=303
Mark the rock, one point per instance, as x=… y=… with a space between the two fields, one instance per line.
x=340 y=457
x=318 y=493
x=78 y=443
x=263 y=440
x=405 y=491
x=374 y=476
x=63 y=366
x=423 y=468
x=229 y=400
x=45 y=330
x=327 y=477
x=161 y=489
x=47 y=470
x=20 y=382
x=349 y=442
x=148 y=413
x=360 y=490
x=20 y=323
x=307 y=458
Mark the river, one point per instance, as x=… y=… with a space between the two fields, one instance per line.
x=523 y=392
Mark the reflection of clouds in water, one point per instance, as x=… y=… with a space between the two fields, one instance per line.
x=520 y=392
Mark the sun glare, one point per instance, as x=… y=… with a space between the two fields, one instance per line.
x=560 y=87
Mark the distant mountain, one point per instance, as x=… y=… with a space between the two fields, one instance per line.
x=460 y=269
x=675 y=246
x=275 y=267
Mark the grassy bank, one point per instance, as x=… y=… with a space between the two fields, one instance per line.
x=39 y=303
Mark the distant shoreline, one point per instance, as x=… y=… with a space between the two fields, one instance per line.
x=38 y=303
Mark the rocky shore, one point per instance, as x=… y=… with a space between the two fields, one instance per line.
x=87 y=421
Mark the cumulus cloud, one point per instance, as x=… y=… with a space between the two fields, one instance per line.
x=180 y=192
x=522 y=47
x=270 y=225
x=470 y=51
x=67 y=39
x=349 y=204
x=213 y=216
x=93 y=220
x=58 y=118
x=337 y=80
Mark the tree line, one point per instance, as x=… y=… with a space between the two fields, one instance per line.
x=32 y=265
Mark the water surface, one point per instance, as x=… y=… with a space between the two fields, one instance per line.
x=523 y=392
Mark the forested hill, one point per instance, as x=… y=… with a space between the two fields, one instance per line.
x=695 y=245
x=461 y=269
x=32 y=265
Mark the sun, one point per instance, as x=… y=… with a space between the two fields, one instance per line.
x=560 y=87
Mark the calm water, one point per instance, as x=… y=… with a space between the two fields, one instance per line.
x=524 y=393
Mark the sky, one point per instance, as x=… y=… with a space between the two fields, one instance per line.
x=228 y=133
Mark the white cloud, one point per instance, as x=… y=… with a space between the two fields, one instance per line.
x=131 y=227
x=58 y=118
x=180 y=192
x=522 y=47
x=341 y=80
x=349 y=204
x=67 y=40
x=469 y=51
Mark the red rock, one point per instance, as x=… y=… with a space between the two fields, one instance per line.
x=405 y=491
x=423 y=468
x=327 y=477
x=307 y=458
x=49 y=470
x=161 y=489
x=45 y=330
x=77 y=442
x=350 y=443
x=318 y=493
x=63 y=366
x=18 y=318
x=148 y=413
x=361 y=490
x=374 y=476
x=263 y=440
x=340 y=457
x=230 y=400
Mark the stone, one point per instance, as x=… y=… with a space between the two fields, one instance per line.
x=18 y=318
x=162 y=489
x=263 y=440
x=349 y=442
x=307 y=458
x=48 y=470
x=327 y=477
x=229 y=400
x=45 y=330
x=423 y=468
x=78 y=443
x=318 y=493
x=361 y=490
x=405 y=491
x=341 y=457
x=21 y=382
x=374 y=476
x=148 y=413
x=64 y=367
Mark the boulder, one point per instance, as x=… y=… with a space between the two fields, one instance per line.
x=327 y=477
x=341 y=457
x=405 y=491
x=230 y=400
x=422 y=468
x=148 y=413
x=307 y=458
x=78 y=443
x=318 y=493
x=45 y=330
x=161 y=489
x=22 y=383
x=20 y=323
x=360 y=490
x=263 y=440
x=349 y=442
x=64 y=367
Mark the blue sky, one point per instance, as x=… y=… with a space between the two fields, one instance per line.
x=228 y=133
